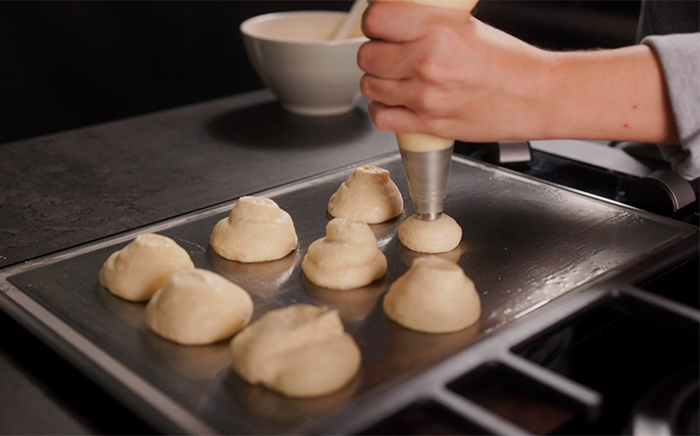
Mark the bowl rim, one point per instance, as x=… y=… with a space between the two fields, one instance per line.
x=277 y=15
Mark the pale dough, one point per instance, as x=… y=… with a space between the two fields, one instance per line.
x=422 y=142
x=256 y=230
x=451 y=4
x=138 y=270
x=433 y=296
x=347 y=258
x=439 y=236
x=298 y=351
x=198 y=307
x=368 y=195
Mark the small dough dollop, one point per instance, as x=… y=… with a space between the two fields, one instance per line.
x=433 y=296
x=198 y=307
x=439 y=236
x=138 y=270
x=298 y=351
x=368 y=195
x=256 y=230
x=347 y=258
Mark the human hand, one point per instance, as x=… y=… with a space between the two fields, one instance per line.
x=440 y=71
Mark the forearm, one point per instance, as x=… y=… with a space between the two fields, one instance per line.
x=608 y=94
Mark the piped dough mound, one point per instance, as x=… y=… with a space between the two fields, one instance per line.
x=138 y=270
x=433 y=296
x=198 y=307
x=298 y=351
x=256 y=230
x=347 y=258
x=439 y=236
x=368 y=195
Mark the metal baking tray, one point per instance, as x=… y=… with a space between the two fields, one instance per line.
x=525 y=243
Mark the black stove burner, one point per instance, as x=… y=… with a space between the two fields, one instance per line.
x=670 y=407
x=621 y=348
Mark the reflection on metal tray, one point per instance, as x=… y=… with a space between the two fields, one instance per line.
x=525 y=243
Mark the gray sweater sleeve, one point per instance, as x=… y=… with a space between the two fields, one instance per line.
x=679 y=56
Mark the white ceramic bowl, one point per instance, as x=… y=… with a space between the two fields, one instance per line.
x=294 y=57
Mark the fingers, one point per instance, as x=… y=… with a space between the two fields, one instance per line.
x=412 y=94
x=386 y=91
x=383 y=59
x=407 y=93
x=403 y=120
x=399 y=21
x=393 y=118
x=407 y=63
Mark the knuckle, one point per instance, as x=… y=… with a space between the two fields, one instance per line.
x=440 y=47
x=447 y=33
x=434 y=126
x=428 y=67
x=382 y=122
x=426 y=100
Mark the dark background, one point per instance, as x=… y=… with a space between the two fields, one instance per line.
x=69 y=64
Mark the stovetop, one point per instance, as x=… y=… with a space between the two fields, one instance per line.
x=647 y=374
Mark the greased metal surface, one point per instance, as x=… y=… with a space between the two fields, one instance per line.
x=524 y=244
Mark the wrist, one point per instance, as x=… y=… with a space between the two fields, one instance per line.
x=606 y=94
x=537 y=77
x=546 y=77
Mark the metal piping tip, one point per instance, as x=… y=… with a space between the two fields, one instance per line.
x=429 y=216
x=427 y=173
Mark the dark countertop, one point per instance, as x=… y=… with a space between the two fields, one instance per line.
x=69 y=188
x=78 y=186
